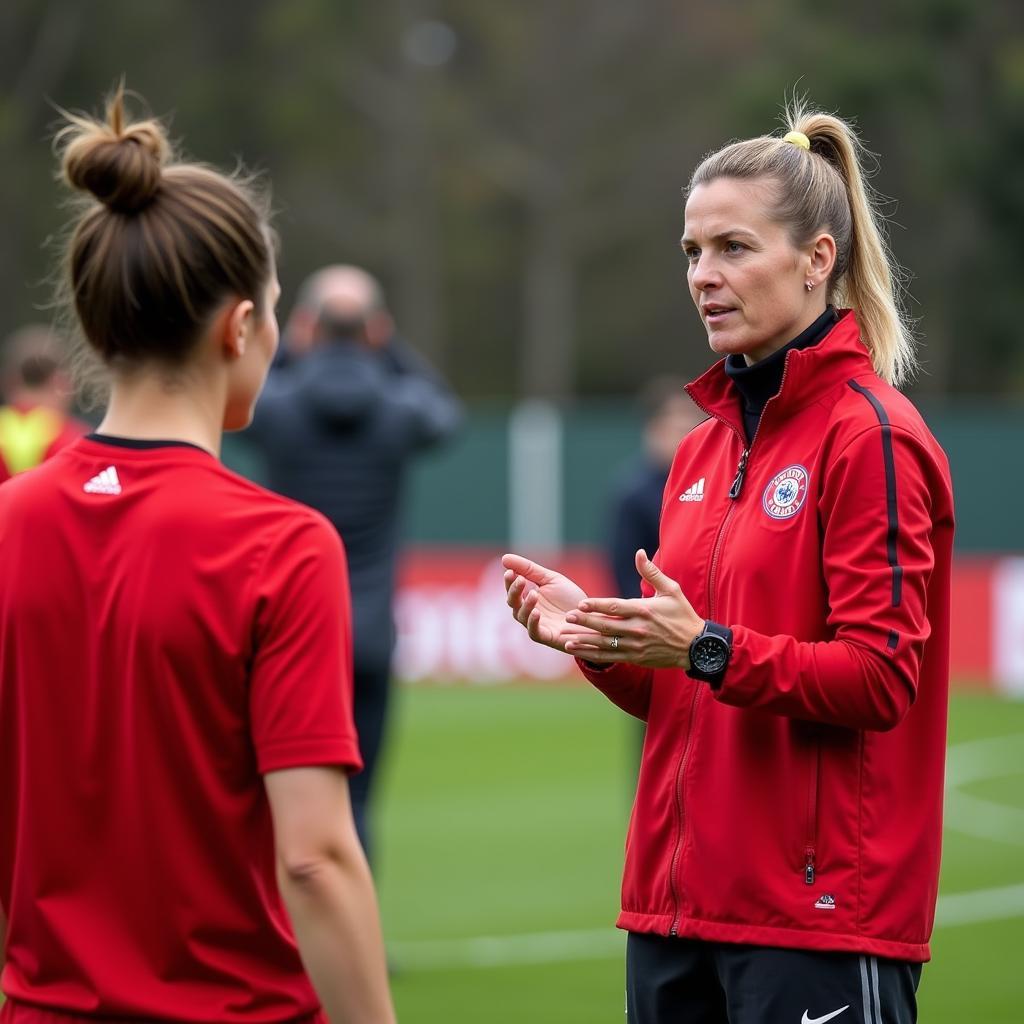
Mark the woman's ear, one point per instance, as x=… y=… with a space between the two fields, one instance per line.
x=233 y=326
x=822 y=259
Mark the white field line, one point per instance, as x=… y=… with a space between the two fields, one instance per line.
x=991 y=758
x=979 y=905
x=959 y=908
x=509 y=950
x=967 y=762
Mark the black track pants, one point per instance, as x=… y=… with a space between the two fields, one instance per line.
x=680 y=981
x=371 y=704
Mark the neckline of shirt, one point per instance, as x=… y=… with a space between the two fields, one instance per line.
x=143 y=443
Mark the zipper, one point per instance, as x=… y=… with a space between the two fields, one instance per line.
x=741 y=472
x=734 y=492
x=680 y=817
x=695 y=701
x=811 y=831
x=809 y=866
x=741 y=469
x=737 y=484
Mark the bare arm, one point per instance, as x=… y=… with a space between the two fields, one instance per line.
x=327 y=887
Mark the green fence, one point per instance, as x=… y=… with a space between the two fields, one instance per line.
x=460 y=494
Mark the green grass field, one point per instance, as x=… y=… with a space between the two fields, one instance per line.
x=502 y=819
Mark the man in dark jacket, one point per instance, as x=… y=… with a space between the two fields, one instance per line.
x=669 y=415
x=339 y=421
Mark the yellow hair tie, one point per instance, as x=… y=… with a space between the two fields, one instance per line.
x=798 y=139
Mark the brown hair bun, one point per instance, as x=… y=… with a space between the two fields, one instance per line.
x=147 y=265
x=120 y=164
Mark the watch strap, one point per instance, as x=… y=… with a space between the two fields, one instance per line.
x=714 y=679
x=718 y=630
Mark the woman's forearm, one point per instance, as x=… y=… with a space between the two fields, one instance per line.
x=334 y=914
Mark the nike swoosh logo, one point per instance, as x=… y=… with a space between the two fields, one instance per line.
x=805 y=1019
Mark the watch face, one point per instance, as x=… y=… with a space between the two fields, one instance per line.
x=709 y=654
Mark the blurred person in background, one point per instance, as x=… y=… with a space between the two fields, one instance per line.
x=669 y=416
x=36 y=420
x=176 y=841
x=339 y=425
x=790 y=654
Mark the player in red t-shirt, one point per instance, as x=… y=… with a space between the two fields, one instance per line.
x=176 y=840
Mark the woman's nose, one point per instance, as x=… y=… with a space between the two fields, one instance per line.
x=704 y=274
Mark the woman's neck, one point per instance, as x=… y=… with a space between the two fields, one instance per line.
x=153 y=405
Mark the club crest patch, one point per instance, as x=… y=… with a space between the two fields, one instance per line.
x=785 y=495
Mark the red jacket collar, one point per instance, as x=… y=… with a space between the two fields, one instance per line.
x=809 y=373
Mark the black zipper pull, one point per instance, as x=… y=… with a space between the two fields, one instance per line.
x=809 y=868
x=741 y=469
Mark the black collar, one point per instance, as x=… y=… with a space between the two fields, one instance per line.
x=761 y=381
x=141 y=442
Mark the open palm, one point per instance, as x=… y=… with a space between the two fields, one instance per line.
x=540 y=599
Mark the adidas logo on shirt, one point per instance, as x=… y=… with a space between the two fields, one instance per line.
x=695 y=492
x=103 y=483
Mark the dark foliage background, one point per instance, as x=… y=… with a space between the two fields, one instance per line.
x=513 y=171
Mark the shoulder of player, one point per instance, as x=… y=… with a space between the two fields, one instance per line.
x=700 y=431
x=868 y=402
x=300 y=524
x=280 y=515
x=866 y=409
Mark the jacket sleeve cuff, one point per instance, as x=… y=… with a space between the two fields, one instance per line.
x=741 y=680
x=626 y=686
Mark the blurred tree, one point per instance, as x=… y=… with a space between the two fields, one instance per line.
x=513 y=171
x=573 y=115
x=367 y=77
x=37 y=50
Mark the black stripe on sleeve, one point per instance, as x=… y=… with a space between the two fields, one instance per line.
x=893 y=532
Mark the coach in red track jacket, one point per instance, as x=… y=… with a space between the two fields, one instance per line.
x=790 y=653
x=799 y=805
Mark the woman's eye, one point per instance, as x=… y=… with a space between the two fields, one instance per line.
x=692 y=253
x=734 y=247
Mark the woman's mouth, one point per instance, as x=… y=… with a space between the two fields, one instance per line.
x=715 y=315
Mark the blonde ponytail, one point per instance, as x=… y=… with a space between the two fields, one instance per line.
x=826 y=188
x=872 y=282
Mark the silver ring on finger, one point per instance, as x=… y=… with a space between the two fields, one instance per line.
x=615 y=643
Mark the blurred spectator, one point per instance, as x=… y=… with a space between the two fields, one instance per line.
x=341 y=418
x=636 y=503
x=35 y=421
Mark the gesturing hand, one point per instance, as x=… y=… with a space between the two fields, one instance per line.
x=540 y=599
x=652 y=631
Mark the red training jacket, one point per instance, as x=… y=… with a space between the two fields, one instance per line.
x=800 y=805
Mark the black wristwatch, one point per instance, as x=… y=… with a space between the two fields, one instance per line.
x=709 y=653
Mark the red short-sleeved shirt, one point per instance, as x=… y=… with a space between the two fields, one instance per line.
x=168 y=632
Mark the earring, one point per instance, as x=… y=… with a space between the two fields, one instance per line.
x=809 y=285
